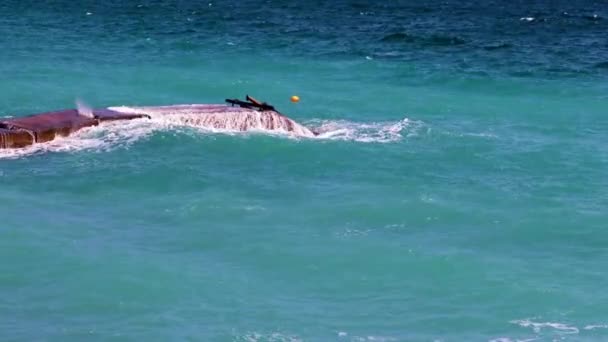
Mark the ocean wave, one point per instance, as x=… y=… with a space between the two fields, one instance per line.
x=344 y=334
x=537 y=327
x=601 y=65
x=376 y=132
x=270 y=337
x=499 y=46
x=282 y=337
x=564 y=18
x=114 y=134
x=97 y=138
x=528 y=19
x=435 y=39
x=398 y=37
x=220 y=118
x=592 y=17
x=373 y=339
x=544 y=329
x=596 y=326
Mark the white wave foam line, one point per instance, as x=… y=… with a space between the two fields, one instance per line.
x=373 y=339
x=117 y=133
x=506 y=339
x=221 y=118
x=370 y=338
x=61 y=144
x=96 y=138
x=217 y=118
x=539 y=326
x=380 y=132
x=598 y=326
x=272 y=337
x=481 y=135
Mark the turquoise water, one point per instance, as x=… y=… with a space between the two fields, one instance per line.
x=459 y=194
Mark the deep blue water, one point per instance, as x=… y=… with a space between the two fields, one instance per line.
x=462 y=194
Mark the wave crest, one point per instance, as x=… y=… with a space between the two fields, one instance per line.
x=430 y=40
x=114 y=134
x=537 y=327
x=219 y=117
x=380 y=132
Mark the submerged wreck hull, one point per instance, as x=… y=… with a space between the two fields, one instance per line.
x=39 y=128
x=16 y=138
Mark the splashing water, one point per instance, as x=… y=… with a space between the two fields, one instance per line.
x=380 y=132
x=539 y=326
x=210 y=119
x=84 y=109
x=220 y=117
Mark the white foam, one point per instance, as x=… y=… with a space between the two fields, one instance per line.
x=481 y=135
x=215 y=117
x=254 y=208
x=459 y=134
x=97 y=138
x=598 y=326
x=60 y=144
x=270 y=122
x=353 y=232
x=272 y=337
x=379 y=132
x=373 y=338
x=539 y=326
x=112 y=134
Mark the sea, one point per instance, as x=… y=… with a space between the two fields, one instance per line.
x=458 y=192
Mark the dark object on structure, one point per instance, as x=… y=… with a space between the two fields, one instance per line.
x=251 y=104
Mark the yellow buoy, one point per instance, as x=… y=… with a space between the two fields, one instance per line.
x=295 y=99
